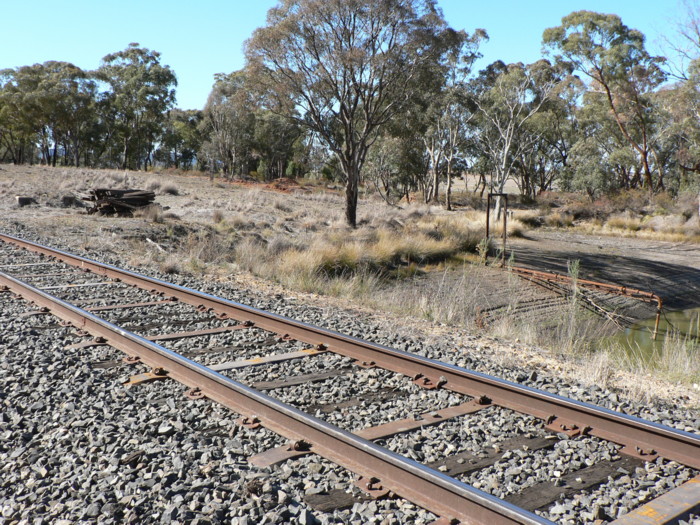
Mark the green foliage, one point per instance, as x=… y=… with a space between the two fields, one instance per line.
x=344 y=69
x=140 y=93
x=613 y=56
x=229 y=125
x=181 y=140
x=54 y=112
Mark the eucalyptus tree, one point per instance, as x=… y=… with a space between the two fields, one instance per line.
x=555 y=128
x=507 y=98
x=448 y=113
x=140 y=93
x=274 y=142
x=181 y=139
x=396 y=166
x=621 y=70
x=680 y=106
x=601 y=160
x=344 y=68
x=229 y=124
x=20 y=112
x=69 y=96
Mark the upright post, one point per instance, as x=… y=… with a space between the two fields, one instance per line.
x=488 y=213
x=505 y=229
x=658 y=317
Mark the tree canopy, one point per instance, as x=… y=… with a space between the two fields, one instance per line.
x=343 y=69
x=383 y=92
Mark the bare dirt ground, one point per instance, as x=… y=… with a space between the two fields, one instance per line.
x=198 y=206
x=671 y=270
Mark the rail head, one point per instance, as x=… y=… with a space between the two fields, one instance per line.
x=422 y=485
x=629 y=431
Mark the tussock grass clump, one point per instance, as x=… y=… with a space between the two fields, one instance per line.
x=217 y=216
x=239 y=221
x=675 y=360
x=206 y=247
x=559 y=220
x=153 y=185
x=151 y=213
x=169 y=189
x=344 y=261
x=170 y=266
x=624 y=222
x=531 y=218
x=383 y=251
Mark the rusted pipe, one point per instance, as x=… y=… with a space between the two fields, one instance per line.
x=640 y=295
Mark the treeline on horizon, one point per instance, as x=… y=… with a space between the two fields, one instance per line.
x=401 y=108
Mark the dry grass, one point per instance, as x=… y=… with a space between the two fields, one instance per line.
x=453 y=299
x=151 y=213
x=217 y=216
x=633 y=213
x=676 y=360
x=169 y=189
x=624 y=222
x=327 y=257
x=381 y=251
x=559 y=220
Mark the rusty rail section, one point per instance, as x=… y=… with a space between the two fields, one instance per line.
x=641 y=295
x=429 y=488
x=639 y=437
x=432 y=490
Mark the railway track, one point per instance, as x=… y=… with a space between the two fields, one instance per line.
x=314 y=387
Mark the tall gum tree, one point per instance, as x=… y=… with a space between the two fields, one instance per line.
x=344 y=68
x=507 y=98
x=229 y=123
x=141 y=91
x=620 y=68
x=446 y=112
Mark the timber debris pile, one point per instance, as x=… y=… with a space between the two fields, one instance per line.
x=117 y=202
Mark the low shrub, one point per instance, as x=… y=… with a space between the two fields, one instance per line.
x=624 y=222
x=559 y=220
x=169 y=189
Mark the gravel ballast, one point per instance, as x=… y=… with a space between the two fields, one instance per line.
x=76 y=445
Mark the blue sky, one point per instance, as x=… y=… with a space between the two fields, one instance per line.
x=199 y=39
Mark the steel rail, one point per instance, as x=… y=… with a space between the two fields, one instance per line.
x=428 y=488
x=640 y=437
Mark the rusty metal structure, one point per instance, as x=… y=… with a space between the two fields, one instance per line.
x=539 y=277
x=381 y=471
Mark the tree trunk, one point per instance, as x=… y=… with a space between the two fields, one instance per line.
x=448 y=190
x=125 y=153
x=351 y=196
x=435 y=186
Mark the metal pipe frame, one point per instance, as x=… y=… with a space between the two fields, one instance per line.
x=640 y=295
